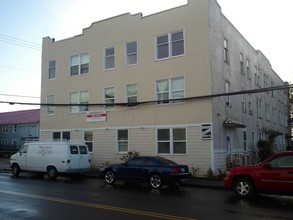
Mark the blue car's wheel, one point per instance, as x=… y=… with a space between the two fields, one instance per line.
x=110 y=177
x=155 y=181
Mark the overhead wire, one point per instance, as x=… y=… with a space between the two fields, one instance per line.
x=194 y=98
x=20 y=42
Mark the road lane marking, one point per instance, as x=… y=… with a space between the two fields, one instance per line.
x=98 y=206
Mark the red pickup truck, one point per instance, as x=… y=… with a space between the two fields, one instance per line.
x=273 y=175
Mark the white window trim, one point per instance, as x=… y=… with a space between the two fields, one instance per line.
x=169 y=46
x=126 y=55
x=117 y=142
x=79 y=64
x=171 y=141
x=78 y=102
x=104 y=58
x=104 y=98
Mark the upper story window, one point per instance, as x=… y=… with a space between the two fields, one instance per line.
x=257 y=76
x=109 y=58
x=79 y=102
x=109 y=98
x=248 y=69
x=226 y=51
x=79 y=64
x=167 y=89
x=50 y=110
x=131 y=94
x=241 y=63
x=227 y=90
x=51 y=69
x=15 y=128
x=170 y=45
x=4 y=128
x=131 y=53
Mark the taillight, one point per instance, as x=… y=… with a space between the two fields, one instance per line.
x=175 y=170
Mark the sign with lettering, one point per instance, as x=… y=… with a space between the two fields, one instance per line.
x=96 y=116
x=206 y=131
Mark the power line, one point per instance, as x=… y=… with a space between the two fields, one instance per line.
x=253 y=91
x=19 y=42
x=19 y=69
x=20 y=96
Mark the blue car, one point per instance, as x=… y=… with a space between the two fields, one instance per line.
x=155 y=170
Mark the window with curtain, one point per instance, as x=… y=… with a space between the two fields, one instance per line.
x=109 y=58
x=79 y=64
x=131 y=53
x=168 y=89
x=109 y=98
x=80 y=101
x=131 y=93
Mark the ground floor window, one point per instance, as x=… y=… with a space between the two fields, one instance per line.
x=88 y=137
x=61 y=135
x=171 y=141
x=122 y=139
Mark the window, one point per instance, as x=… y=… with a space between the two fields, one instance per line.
x=59 y=136
x=51 y=69
x=170 y=45
x=275 y=117
x=131 y=53
x=73 y=150
x=241 y=63
x=226 y=52
x=243 y=101
x=4 y=128
x=109 y=58
x=15 y=128
x=257 y=76
x=79 y=64
x=259 y=108
x=131 y=94
x=82 y=149
x=250 y=104
x=50 y=108
x=228 y=98
x=122 y=140
x=4 y=142
x=285 y=161
x=244 y=140
x=268 y=112
x=79 y=102
x=253 y=140
x=109 y=98
x=172 y=141
x=170 y=89
x=88 y=137
x=248 y=69
x=15 y=142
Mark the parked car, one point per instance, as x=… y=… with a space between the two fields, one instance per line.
x=273 y=175
x=155 y=170
x=52 y=158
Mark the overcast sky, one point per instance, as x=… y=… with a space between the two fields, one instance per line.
x=266 y=24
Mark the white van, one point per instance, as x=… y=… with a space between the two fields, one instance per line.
x=51 y=157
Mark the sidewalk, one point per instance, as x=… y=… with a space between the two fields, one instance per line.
x=195 y=182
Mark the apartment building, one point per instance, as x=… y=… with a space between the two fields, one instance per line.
x=152 y=84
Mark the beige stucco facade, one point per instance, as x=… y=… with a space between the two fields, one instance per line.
x=200 y=68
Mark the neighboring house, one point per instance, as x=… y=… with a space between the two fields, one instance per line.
x=145 y=84
x=18 y=126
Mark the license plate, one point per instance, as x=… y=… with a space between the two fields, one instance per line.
x=182 y=170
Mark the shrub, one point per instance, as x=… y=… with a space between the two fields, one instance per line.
x=129 y=155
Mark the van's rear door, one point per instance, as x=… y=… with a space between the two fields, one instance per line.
x=79 y=158
x=84 y=157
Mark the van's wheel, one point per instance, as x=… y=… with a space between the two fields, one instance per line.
x=15 y=170
x=52 y=173
x=243 y=187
